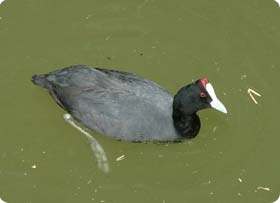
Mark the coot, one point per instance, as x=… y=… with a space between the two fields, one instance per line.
x=127 y=107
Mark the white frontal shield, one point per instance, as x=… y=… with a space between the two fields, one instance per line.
x=215 y=103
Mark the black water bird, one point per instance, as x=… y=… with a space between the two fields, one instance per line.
x=127 y=107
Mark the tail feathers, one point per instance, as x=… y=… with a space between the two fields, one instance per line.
x=41 y=81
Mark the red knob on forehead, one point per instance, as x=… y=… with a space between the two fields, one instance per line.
x=203 y=82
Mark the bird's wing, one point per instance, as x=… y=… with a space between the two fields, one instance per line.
x=112 y=102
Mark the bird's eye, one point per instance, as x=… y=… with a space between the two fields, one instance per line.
x=202 y=94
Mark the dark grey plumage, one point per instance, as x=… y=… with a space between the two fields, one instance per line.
x=128 y=107
x=114 y=103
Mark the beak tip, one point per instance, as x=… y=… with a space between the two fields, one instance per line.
x=219 y=106
x=223 y=110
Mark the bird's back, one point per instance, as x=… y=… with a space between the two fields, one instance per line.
x=117 y=104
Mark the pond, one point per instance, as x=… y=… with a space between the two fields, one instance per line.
x=235 y=157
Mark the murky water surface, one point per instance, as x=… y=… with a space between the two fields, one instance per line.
x=236 y=44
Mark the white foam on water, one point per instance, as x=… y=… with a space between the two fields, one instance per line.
x=1 y=1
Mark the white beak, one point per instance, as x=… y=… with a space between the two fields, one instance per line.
x=216 y=104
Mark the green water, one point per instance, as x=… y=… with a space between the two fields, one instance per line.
x=236 y=44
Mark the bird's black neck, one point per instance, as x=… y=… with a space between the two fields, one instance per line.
x=186 y=126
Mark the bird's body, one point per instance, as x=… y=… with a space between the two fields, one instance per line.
x=118 y=104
